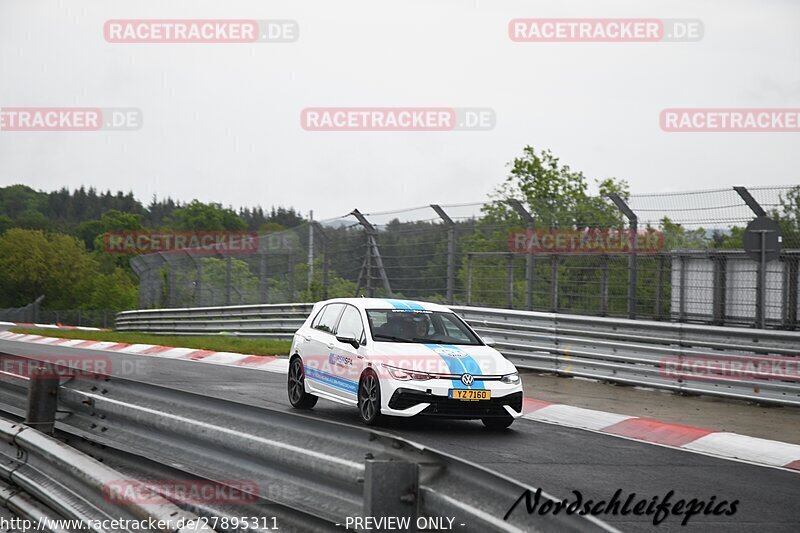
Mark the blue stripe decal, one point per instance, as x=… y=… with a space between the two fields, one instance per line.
x=458 y=364
x=397 y=304
x=405 y=305
x=333 y=381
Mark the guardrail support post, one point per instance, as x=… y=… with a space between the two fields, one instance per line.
x=530 y=259
x=391 y=488
x=42 y=399
x=451 y=252
x=633 y=221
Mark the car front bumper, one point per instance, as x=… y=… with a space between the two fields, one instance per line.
x=431 y=398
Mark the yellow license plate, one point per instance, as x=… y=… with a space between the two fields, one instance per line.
x=470 y=395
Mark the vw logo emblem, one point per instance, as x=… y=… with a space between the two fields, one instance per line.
x=467 y=379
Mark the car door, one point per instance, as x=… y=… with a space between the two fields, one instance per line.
x=348 y=360
x=319 y=345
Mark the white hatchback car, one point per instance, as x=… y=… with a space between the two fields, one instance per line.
x=400 y=358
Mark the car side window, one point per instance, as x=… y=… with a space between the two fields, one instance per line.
x=328 y=317
x=351 y=325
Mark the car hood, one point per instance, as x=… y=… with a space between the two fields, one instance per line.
x=442 y=358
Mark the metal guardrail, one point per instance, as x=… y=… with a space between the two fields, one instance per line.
x=633 y=352
x=308 y=470
x=269 y=320
x=59 y=482
x=686 y=358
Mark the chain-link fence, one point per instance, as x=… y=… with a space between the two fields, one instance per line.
x=676 y=256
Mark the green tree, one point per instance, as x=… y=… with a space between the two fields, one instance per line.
x=558 y=198
x=198 y=216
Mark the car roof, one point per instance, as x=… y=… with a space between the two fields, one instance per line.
x=389 y=303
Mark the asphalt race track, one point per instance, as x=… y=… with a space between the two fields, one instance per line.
x=558 y=459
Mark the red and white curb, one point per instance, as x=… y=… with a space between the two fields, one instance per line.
x=46 y=326
x=259 y=362
x=716 y=443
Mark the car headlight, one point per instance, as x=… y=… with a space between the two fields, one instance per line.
x=511 y=379
x=406 y=375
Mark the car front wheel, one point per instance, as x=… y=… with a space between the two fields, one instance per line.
x=298 y=396
x=369 y=398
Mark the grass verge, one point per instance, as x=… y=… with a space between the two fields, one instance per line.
x=216 y=343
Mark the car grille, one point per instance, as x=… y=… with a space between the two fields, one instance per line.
x=447 y=407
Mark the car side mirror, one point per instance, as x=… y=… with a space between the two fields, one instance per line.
x=488 y=341
x=352 y=341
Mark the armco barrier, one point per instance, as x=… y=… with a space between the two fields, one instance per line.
x=757 y=365
x=313 y=469
x=270 y=320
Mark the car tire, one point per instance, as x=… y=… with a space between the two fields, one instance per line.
x=369 y=398
x=296 y=386
x=497 y=423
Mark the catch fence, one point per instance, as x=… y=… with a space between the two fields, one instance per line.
x=674 y=256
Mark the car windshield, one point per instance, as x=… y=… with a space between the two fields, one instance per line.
x=422 y=327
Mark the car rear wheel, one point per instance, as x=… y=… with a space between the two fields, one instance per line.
x=369 y=398
x=496 y=423
x=298 y=396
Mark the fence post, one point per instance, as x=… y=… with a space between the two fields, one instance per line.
x=720 y=276
x=324 y=240
x=510 y=268
x=372 y=251
x=469 y=278
x=198 y=283
x=604 y=285
x=554 y=283
x=263 y=288
x=761 y=277
x=530 y=264
x=228 y=282
x=451 y=252
x=793 y=270
x=290 y=275
x=633 y=222
x=42 y=399
x=660 y=288
x=682 y=294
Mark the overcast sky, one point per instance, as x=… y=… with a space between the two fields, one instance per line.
x=222 y=121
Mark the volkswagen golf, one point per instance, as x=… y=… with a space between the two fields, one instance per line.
x=401 y=358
